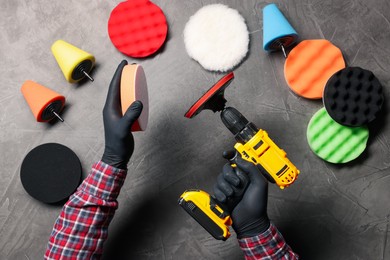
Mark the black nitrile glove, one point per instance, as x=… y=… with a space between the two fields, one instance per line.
x=249 y=213
x=119 y=142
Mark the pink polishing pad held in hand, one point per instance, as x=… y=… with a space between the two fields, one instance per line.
x=134 y=87
x=137 y=28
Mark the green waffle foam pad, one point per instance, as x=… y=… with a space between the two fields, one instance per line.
x=333 y=142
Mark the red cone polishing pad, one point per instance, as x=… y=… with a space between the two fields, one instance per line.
x=213 y=99
x=134 y=87
x=137 y=28
x=309 y=66
x=50 y=172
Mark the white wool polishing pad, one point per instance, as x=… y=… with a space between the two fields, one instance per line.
x=217 y=37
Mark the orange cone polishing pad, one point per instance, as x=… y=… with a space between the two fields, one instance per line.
x=45 y=104
x=309 y=66
x=213 y=99
x=134 y=87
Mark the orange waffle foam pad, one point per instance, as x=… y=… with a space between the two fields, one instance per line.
x=137 y=28
x=309 y=66
x=134 y=87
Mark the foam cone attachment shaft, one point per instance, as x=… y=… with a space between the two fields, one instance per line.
x=74 y=62
x=44 y=102
x=277 y=31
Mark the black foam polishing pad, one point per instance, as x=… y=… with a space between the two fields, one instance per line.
x=50 y=172
x=353 y=96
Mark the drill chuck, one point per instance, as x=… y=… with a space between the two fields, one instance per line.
x=241 y=128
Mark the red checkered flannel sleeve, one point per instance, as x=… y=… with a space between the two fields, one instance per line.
x=270 y=245
x=81 y=228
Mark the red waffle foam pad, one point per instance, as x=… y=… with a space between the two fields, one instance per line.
x=137 y=28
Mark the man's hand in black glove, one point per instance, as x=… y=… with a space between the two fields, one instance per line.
x=119 y=142
x=249 y=214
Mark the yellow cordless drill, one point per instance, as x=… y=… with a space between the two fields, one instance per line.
x=253 y=144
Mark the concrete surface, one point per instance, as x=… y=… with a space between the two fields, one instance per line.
x=331 y=212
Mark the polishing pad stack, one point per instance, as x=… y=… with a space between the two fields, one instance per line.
x=137 y=28
x=316 y=69
x=352 y=99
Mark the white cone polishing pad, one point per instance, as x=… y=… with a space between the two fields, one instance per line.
x=217 y=37
x=134 y=87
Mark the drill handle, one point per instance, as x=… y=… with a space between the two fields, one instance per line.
x=244 y=181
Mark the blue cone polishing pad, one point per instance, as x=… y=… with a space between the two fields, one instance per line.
x=50 y=173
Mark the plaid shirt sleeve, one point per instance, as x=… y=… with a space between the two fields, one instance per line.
x=81 y=228
x=269 y=245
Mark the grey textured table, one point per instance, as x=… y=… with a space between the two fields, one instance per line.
x=331 y=212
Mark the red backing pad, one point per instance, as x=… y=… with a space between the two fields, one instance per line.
x=137 y=28
x=214 y=90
